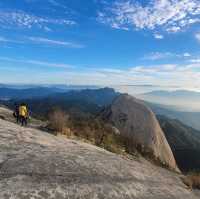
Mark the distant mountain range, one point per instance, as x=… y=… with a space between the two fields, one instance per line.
x=184 y=142
x=37 y=92
x=188 y=118
x=182 y=100
x=77 y=96
x=30 y=91
x=78 y=102
x=59 y=86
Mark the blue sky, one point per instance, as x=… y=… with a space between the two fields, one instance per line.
x=104 y=42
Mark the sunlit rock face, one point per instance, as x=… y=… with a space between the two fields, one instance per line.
x=36 y=165
x=139 y=124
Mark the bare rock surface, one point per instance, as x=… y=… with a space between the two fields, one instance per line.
x=37 y=165
x=137 y=122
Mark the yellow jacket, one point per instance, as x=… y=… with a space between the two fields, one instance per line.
x=23 y=111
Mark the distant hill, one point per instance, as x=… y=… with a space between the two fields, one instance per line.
x=78 y=102
x=182 y=100
x=59 y=86
x=8 y=92
x=36 y=92
x=184 y=142
x=189 y=118
x=176 y=94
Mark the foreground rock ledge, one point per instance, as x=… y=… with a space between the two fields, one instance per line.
x=36 y=165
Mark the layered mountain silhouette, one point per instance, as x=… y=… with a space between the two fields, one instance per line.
x=36 y=92
x=188 y=118
x=181 y=100
x=8 y=92
x=88 y=101
x=184 y=142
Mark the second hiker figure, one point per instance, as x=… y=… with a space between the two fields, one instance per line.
x=23 y=114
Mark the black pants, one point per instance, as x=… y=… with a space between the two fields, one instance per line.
x=17 y=119
x=23 y=121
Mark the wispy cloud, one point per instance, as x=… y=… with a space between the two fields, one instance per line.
x=6 y=40
x=165 y=55
x=56 y=3
x=157 y=55
x=186 y=55
x=174 y=29
x=41 y=40
x=158 y=36
x=195 y=61
x=154 y=69
x=170 y=15
x=165 y=74
x=20 y=19
x=197 y=35
x=187 y=75
x=36 y=62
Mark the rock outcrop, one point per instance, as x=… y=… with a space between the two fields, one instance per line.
x=139 y=124
x=37 y=165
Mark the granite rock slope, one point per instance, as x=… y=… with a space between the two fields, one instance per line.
x=137 y=122
x=37 y=165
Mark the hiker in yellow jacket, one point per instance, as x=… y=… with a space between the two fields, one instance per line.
x=23 y=114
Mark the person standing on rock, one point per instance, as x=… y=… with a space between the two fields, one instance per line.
x=23 y=114
x=16 y=113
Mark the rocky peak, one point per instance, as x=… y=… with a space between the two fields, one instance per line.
x=139 y=124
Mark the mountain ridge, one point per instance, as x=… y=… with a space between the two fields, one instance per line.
x=184 y=142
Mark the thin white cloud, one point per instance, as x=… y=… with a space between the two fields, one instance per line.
x=197 y=35
x=41 y=40
x=170 y=15
x=154 y=69
x=158 y=55
x=57 y=4
x=20 y=19
x=173 y=29
x=36 y=62
x=54 y=3
x=6 y=40
x=3 y=39
x=165 y=55
x=195 y=60
x=164 y=75
x=186 y=55
x=158 y=36
x=167 y=74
